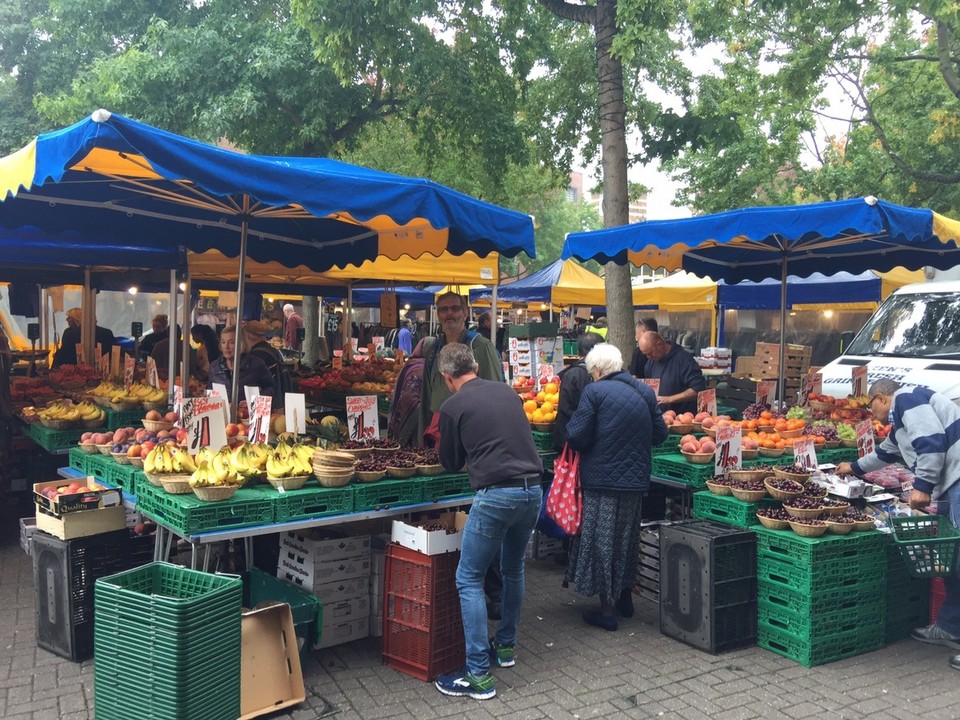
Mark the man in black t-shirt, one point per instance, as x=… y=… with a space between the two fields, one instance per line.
x=638 y=361
x=680 y=376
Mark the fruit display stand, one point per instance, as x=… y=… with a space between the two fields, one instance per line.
x=58 y=442
x=728 y=509
x=123 y=418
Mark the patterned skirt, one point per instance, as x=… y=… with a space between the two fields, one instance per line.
x=603 y=558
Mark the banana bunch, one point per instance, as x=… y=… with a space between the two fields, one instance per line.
x=333 y=429
x=249 y=459
x=107 y=390
x=60 y=410
x=146 y=393
x=168 y=459
x=89 y=411
x=287 y=461
x=216 y=471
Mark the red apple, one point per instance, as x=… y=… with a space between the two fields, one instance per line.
x=233 y=430
x=171 y=417
x=181 y=435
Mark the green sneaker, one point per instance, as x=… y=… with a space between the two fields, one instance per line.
x=502 y=655
x=463 y=683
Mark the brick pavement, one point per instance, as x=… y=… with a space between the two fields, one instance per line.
x=566 y=671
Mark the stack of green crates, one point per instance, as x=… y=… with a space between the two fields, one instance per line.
x=820 y=599
x=167 y=645
x=908 y=597
x=727 y=509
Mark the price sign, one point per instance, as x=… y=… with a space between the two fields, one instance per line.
x=362 y=420
x=816 y=383
x=104 y=367
x=865 y=441
x=81 y=358
x=250 y=393
x=707 y=402
x=377 y=342
x=654 y=384
x=388 y=310
x=153 y=378
x=729 y=443
x=765 y=392
x=129 y=364
x=805 y=454
x=860 y=380
x=220 y=390
x=203 y=419
x=178 y=401
x=115 y=361
x=295 y=409
x=260 y=419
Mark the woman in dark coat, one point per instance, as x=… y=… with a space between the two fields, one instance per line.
x=614 y=426
x=572 y=382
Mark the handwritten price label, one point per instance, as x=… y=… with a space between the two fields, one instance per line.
x=729 y=455
x=865 y=439
x=707 y=402
x=805 y=454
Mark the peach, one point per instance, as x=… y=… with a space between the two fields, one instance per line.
x=707 y=446
x=708 y=422
x=87 y=437
x=687 y=417
x=701 y=416
x=690 y=447
x=171 y=417
x=750 y=444
x=688 y=439
x=153 y=415
x=133 y=451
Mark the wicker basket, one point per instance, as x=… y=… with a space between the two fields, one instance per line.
x=332 y=481
x=217 y=493
x=821 y=406
x=718 y=489
x=863 y=525
x=681 y=429
x=429 y=470
x=157 y=425
x=765 y=428
x=840 y=528
x=808 y=530
x=136 y=462
x=836 y=510
x=749 y=454
x=88 y=448
x=772 y=524
x=176 y=485
x=121 y=458
x=60 y=424
x=749 y=495
x=698 y=458
x=798 y=477
x=368 y=476
x=712 y=432
x=778 y=494
x=542 y=427
x=831 y=444
x=401 y=473
x=806 y=514
x=93 y=423
x=848 y=443
x=158 y=406
x=293 y=482
x=358 y=453
x=771 y=452
x=158 y=478
x=790 y=433
x=744 y=475
x=383 y=451
x=124 y=406
x=105 y=449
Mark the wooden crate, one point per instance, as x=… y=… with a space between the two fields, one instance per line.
x=796 y=361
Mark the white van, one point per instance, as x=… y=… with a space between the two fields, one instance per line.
x=913 y=338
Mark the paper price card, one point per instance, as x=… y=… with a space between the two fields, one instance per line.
x=129 y=364
x=260 y=419
x=251 y=393
x=865 y=441
x=805 y=454
x=377 y=342
x=728 y=455
x=514 y=357
x=104 y=366
x=707 y=402
x=203 y=419
x=337 y=361
x=115 y=361
x=81 y=358
x=295 y=408
x=153 y=377
x=362 y=420
x=220 y=390
x=860 y=380
x=654 y=384
x=178 y=401
x=544 y=372
x=513 y=344
x=765 y=392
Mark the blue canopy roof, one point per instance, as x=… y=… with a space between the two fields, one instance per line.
x=842 y=287
x=535 y=287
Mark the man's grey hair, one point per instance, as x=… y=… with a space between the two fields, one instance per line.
x=605 y=358
x=286 y=307
x=456 y=360
x=884 y=386
x=451 y=293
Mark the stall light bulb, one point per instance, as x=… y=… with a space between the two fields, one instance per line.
x=183 y=287
x=406 y=306
x=519 y=312
x=132 y=290
x=828 y=313
x=543 y=306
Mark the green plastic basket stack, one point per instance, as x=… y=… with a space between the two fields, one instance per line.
x=908 y=597
x=167 y=645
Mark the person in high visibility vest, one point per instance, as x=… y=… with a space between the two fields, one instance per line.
x=599 y=327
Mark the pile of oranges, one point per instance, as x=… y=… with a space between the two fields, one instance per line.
x=541 y=407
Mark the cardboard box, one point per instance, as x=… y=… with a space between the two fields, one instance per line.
x=75 y=502
x=343 y=590
x=304 y=548
x=309 y=575
x=345 y=611
x=434 y=542
x=271 y=678
x=344 y=632
x=82 y=524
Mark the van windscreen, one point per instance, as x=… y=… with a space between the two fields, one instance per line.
x=912 y=325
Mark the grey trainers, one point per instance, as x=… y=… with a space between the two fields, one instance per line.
x=935 y=635
x=500 y=654
x=955 y=662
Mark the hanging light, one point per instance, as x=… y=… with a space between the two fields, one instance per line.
x=269 y=299
x=406 y=306
x=828 y=313
x=132 y=290
x=183 y=287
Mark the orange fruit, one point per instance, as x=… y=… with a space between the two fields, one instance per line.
x=529 y=406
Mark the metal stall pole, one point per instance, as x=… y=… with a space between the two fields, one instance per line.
x=172 y=330
x=185 y=346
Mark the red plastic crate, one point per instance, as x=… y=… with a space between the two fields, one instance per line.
x=422 y=627
x=938 y=593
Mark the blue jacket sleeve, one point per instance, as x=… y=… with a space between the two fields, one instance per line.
x=582 y=425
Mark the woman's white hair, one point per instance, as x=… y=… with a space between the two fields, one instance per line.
x=605 y=358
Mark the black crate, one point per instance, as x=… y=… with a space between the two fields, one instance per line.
x=708 y=585
x=64 y=574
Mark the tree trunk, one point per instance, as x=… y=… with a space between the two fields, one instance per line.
x=613 y=118
x=311 y=328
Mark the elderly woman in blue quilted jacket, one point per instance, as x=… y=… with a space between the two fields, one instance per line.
x=614 y=427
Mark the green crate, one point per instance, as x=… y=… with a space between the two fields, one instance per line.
x=675 y=467
x=123 y=476
x=867 y=638
x=311 y=502
x=99 y=466
x=543 y=441
x=727 y=509
x=570 y=348
x=731 y=411
x=446 y=486
x=123 y=418
x=783 y=460
x=307 y=610
x=188 y=515
x=547 y=458
x=788 y=546
x=667 y=447
x=927 y=542
x=79 y=460
x=53 y=440
x=848 y=573
x=383 y=404
x=386 y=493
x=838 y=598
x=820 y=624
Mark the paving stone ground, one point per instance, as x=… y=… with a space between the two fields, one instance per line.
x=566 y=670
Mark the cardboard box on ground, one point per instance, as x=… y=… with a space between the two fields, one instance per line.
x=81 y=514
x=271 y=677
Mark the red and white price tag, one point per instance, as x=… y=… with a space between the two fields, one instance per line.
x=805 y=454
x=860 y=380
x=707 y=402
x=765 y=392
x=260 y=419
x=654 y=384
x=129 y=364
x=865 y=441
x=153 y=378
x=729 y=443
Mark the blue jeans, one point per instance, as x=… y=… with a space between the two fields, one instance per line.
x=501 y=519
x=949 y=616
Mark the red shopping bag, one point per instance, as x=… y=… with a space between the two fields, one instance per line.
x=565 y=501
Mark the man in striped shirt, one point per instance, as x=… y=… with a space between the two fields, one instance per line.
x=926 y=438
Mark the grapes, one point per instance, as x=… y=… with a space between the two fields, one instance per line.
x=827 y=432
x=773 y=513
